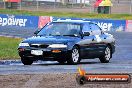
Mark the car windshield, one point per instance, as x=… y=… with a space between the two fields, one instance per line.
x=60 y=29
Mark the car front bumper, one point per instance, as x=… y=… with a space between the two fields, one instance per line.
x=48 y=54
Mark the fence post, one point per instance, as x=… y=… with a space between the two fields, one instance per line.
x=84 y=3
x=4 y=4
x=72 y=3
x=81 y=3
x=21 y=5
x=90 y=5
x=54 y=3
x=37 y=5
x=131 y=7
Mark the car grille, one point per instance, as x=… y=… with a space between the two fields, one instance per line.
x=39 y=45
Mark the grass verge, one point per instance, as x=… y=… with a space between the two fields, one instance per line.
x=67 y=14
x=8 y=48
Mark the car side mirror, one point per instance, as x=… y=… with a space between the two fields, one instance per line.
x=36 y=32
x=86 y=34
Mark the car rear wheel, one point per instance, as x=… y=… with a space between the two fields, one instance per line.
x=107 y=55
x=26 y=61
x=75 y=56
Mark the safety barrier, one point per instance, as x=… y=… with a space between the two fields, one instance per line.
x=34 y=22
x=18 y=20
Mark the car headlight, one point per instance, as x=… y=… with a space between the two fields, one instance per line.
x=57 y=46
x=23 y=44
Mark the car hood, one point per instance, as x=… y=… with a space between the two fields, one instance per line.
x=50 y=39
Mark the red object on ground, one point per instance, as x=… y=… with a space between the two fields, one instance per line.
x=96 y=4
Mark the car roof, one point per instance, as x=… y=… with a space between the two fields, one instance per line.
x=72 y=21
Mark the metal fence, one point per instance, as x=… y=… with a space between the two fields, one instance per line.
x=83 y=6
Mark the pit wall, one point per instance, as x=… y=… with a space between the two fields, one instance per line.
x=35 y=22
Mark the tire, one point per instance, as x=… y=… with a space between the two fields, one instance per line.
x=75 y=56
x=26 y=61
x=107 y=55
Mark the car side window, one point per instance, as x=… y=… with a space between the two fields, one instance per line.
x=95 y=29
x=86 y=28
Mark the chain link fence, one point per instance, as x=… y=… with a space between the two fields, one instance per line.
x=83 y=6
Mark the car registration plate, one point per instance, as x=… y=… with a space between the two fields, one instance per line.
x=37 y=52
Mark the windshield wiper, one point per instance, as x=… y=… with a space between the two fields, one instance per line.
x=55 y=35
x=72 y=35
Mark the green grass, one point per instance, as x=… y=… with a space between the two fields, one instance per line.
x=8 y=48
x=67 y=14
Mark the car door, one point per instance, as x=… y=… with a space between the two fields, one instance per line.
x=98 y=41
x=87 y=42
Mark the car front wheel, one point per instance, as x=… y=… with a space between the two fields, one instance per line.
x=26 y=61
x=75 y=56
x=107 y=55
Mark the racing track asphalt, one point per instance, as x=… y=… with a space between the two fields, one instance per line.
x=120 y=63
